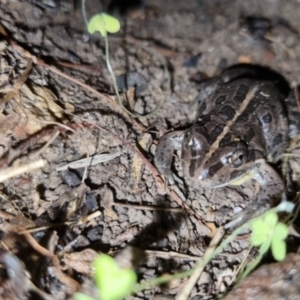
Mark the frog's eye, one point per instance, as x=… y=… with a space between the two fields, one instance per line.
x=238 y=157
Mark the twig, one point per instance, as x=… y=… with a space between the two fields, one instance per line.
x=15 y=171
x=171 y=254
x=89 y=161
x=69 y=282
x=150 y=208
x=199 y=269
x=80 y=222
x=41 y=293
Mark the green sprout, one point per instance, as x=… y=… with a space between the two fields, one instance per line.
x=103 y=23
x=267 y=232
x=113 y=283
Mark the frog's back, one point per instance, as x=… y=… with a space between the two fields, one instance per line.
x=249 y=110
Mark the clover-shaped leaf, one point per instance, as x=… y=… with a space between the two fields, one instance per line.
x=266 y=232
x=262 y=228
x=113 y=283
x=278 y=245
x=103 y=23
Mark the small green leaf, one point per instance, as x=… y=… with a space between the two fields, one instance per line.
x=113 y=283
x=281 y=231
x=265 y=246
x=271 y=219
x=259 y=232
x=258 y=238
x=80 y=296
x=278 y=249
x=262 y=228
x=103 y=23
x=278 y=244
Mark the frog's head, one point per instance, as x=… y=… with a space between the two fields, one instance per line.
x=215 y=164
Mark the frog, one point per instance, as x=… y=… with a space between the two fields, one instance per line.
x=241 y=130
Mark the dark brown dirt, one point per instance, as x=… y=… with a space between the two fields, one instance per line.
x=67 y=99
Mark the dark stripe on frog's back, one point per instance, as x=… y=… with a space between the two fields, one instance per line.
x=244 y=96
x=248 y=113
x=215 y=133
x=226 y=107
x=232 y=93
x=238 y=93
x=218 y=127
x=241 y=93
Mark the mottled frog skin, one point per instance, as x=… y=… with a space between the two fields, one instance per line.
x=242 y=126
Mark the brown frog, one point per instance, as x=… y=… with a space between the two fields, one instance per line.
x=241 y=127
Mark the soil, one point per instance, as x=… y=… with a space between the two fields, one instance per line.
x=58 y=107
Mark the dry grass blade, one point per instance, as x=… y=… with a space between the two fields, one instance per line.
x=89 y=161
x=15 y=171
x=70 y=283
x=199 y=269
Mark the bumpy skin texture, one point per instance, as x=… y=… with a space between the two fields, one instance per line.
x=244 y=117
x=241 y=126
x=276 y=281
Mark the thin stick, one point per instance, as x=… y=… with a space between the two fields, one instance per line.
x=15 y=171
x=199 y=269
x=70 y=283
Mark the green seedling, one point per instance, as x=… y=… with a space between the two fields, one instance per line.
x=104 y=24
x=268 y=232
x=113 y=283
